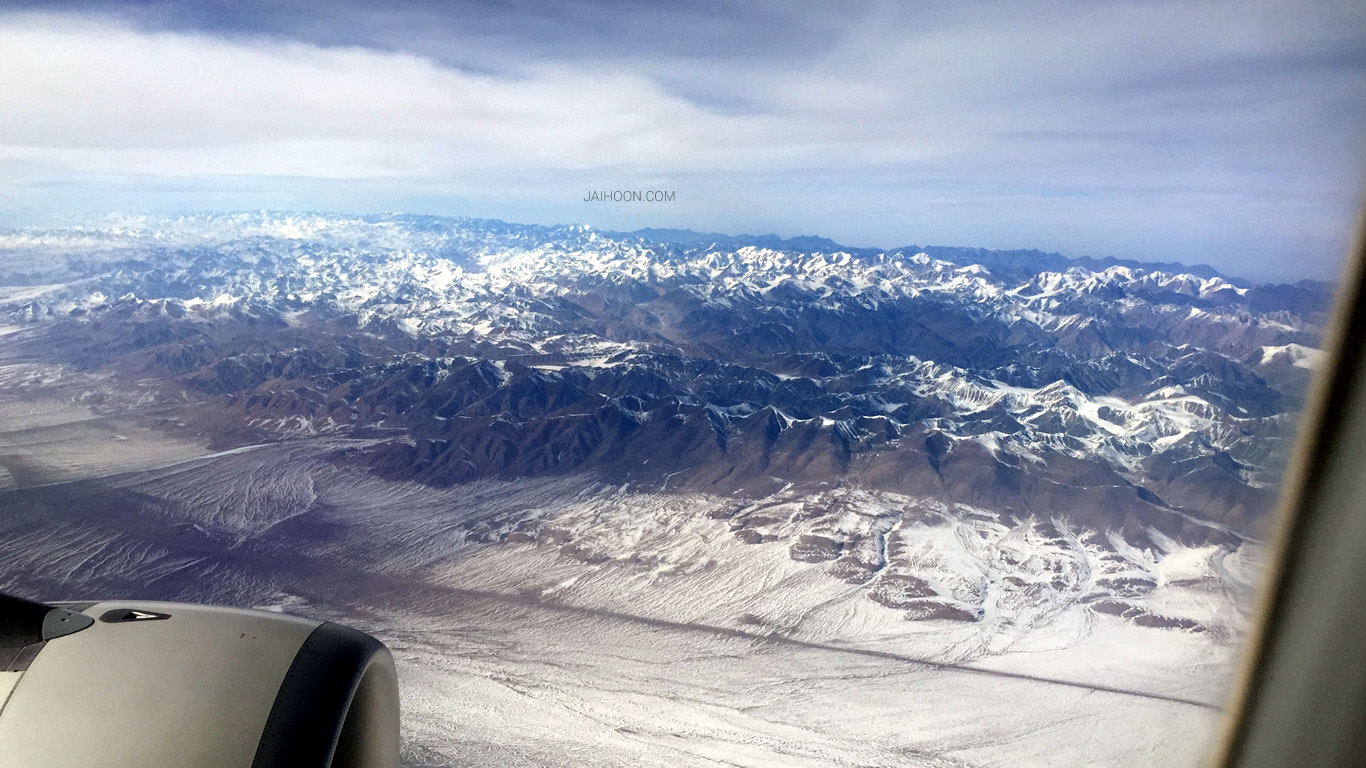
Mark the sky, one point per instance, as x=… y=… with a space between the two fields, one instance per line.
x=1226 y=133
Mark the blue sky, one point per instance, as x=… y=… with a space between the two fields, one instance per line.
x=1229 y=133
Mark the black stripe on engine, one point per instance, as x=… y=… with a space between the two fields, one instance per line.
x=306 y=720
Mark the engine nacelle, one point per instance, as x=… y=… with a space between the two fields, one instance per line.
x=129 y=684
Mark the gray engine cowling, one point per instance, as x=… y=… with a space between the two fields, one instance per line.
x=155 y=685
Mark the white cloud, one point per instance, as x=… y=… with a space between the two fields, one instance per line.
x=97 y=96
x=100 y=97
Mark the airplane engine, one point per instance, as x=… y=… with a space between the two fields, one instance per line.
x=137 y=684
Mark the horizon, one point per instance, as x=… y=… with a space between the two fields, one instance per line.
x=81 y=219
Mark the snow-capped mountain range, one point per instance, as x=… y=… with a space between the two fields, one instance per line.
x=1151 y=403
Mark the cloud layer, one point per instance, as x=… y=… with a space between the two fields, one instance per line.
x=1218 y=132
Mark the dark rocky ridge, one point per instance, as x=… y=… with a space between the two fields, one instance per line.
x=1130 y=399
